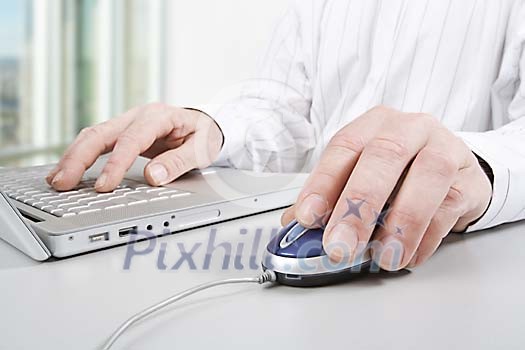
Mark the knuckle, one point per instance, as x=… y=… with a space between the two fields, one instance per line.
x=388 y=148
x=369 y=197
x=176 y=164
x=91 y=132
x=113 y=163
x=128 y=139
x=344 y=143
x=454 y=203
x=129 y=142
x=70 y=159
x=438 y=163
x=405 y=217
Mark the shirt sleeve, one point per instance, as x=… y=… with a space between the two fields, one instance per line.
x=266 y=120
x=504 y=148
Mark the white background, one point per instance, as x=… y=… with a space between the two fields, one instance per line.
x=212 y=44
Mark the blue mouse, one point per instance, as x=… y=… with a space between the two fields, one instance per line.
x=297 y=257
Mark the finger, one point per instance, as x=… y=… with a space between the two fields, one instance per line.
x=288 y=215
x=374 y=178
x=426 y=186
x=84 y=151
x=138 y=138
x=51 y=175
x=440 y=226
x=170 y=165
x=326 y=182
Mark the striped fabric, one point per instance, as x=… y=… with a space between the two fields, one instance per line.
x=332 y=60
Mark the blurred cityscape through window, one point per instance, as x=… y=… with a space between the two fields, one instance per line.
x=68 y=64
x=14 y=73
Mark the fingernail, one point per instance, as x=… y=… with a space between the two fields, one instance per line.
x=342 y=242
x=391 y=255
x=50 y=176
x=101 y=181
x=58 y=177
x=311 y=209
x=158 y=173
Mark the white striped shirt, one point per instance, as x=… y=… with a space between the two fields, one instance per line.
x=330 y=61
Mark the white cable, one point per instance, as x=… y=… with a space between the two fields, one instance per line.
x=268 y=276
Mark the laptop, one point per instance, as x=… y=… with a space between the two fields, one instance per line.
x=42 y=222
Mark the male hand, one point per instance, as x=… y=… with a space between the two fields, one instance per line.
x=430 y=178
x=178 y=140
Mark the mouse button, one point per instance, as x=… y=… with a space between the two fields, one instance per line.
x=275 y=243
x=307 y=245
x=294 y=234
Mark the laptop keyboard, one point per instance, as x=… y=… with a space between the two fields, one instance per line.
x=28 y=185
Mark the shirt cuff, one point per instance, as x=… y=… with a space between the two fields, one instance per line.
x=483 y=145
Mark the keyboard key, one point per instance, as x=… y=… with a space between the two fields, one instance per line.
x=69 y=193
x=157 y=189
x=78 y=196
x=159 y=199
x=115 y=206
x=138 y=202
x=42 y=205
x=89 y=211
x=78 y=209
x=181 y=194
x=168 y=193
x=48 y=208
x=66 y=206
x=30 y=193
x=96 y=202
x=57 y=212
x=59 y=201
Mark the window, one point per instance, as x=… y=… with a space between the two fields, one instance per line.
x=67 y=64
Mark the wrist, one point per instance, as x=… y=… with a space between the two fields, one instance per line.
x=216 y=129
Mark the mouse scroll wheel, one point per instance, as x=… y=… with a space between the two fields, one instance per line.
x=293 y=235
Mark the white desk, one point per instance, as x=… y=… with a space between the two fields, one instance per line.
x=471 y=295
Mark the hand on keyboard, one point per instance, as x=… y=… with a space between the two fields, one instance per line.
x=27 y=186
x=178 y=140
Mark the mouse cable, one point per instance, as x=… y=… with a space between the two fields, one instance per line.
x=267 y=276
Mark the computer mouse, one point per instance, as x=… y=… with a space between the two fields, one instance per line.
x=297 y=257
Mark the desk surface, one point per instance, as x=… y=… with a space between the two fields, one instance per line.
x=469 y=296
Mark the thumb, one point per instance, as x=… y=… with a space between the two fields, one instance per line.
x=172 y=164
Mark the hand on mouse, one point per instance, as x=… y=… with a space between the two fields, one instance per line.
x=178 y=140
x=443 y=189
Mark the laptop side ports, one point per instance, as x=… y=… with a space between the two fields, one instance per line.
x=128 y=231
x=99 y=237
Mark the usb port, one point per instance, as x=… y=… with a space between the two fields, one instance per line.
x=125 y=232
x=99 y=237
